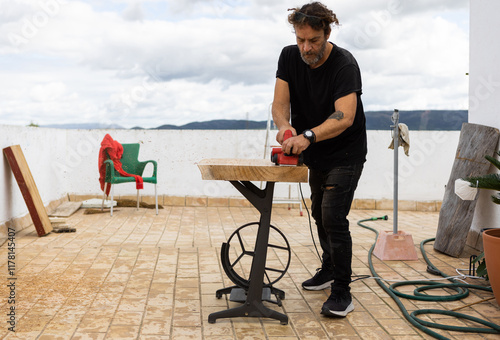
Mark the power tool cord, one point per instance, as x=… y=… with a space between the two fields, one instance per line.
x=462 y=290
x=310 y=224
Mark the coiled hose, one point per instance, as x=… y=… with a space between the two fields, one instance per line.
x=461 y=289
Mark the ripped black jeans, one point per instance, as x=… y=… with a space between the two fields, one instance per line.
x=332 y=193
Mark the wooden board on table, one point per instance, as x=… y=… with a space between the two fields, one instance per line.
x=30 y=193
x=455 y=217
x=66 y=209
x=250 y=170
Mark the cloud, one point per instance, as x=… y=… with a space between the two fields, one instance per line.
x=134 y=12
x=48 y=92
x=410 y=61
x=170 y=62
x=181 y=101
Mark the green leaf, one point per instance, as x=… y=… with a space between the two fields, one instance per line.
x=489 y=181
x=478 y=258
x=481 y=270
x=493 y=161
x=496 y=199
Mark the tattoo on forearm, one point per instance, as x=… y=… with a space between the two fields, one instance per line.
x=338 y=115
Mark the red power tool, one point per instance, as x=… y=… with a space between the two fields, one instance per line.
x=278 y=157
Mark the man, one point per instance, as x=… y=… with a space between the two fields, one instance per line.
x=318 y=86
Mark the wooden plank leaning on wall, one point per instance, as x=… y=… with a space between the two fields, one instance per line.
x=30 y=193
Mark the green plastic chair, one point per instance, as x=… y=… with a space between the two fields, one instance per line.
x=131 y=165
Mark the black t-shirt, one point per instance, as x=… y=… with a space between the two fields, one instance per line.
x=313 y=93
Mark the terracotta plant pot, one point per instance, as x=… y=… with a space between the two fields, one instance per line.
x=491 y=244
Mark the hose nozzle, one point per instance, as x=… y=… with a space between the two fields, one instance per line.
x=380 y=218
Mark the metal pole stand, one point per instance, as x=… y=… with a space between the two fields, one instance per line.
x=397 y=245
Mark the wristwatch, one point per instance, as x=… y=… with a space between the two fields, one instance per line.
x=309 y=134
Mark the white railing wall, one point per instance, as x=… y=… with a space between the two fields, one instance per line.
x=66 y=162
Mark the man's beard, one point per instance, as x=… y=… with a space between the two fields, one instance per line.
x=318 y=57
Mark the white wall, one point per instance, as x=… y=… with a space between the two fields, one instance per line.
x=66 y=161
x=422 y=175
x=39 y=146
x=484 y=89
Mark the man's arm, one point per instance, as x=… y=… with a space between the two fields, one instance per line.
x=338 y=122
x=281 y=109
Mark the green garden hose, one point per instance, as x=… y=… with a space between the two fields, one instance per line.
x=461 y=289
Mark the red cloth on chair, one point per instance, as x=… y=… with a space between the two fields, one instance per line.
x=114 y=150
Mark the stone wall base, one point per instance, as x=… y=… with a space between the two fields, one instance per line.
x=203 y=201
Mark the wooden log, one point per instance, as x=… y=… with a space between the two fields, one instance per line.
x=455 y=217
x=251 y=170
x=30 y=193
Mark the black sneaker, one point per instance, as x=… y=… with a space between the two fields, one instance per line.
x=339 y=304
x=321 y=280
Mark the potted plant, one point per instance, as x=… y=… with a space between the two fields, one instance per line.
x=491 y=237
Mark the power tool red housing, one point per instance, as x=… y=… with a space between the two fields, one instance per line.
x=278 y=157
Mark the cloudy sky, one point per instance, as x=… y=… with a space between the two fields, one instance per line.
x=153 y=62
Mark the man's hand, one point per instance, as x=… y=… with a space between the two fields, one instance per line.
x=281 y=133
x=295 y=145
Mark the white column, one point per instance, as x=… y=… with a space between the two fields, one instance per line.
x=484 y=90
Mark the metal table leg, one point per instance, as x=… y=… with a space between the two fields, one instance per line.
x=262 y=200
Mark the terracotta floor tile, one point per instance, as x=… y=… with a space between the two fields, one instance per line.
x=142 y=276
x=156 y=327
x=222 y=328
x=186 y=293
x=127 y=318
x=397 y=326
x=122 y=332
x=372 y=334
x=18 y=335
x=190 y=282
x=338 y=327
x=250 y=333
x=275 y=329
x=57 y=336
x=93 y=324
x=384 y=312
x=135 y=304
x=361 y=319
x=187 y=333
x=182 y=319
x=154 y=337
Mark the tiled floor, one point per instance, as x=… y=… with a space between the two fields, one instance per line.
x=140 y=276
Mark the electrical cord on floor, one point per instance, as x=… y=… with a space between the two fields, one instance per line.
x=462 y=290
x=310 y=224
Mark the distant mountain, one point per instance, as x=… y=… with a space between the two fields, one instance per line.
x=447 y=120
x=219 y=124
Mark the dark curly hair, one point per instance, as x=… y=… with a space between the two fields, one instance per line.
x=314 y=14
